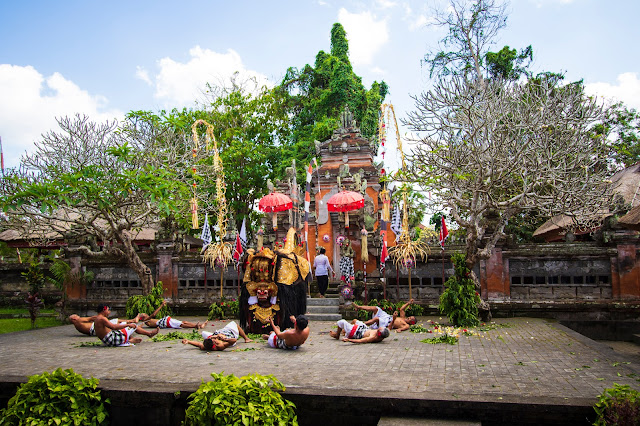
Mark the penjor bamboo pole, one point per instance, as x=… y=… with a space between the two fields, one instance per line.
x=410 y=296
x=221 y=281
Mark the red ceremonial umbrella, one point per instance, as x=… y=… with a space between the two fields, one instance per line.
x=345 y=201
x=273 y=203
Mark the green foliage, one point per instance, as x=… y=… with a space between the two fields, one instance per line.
x=34 y=275
x=390 y=307
x=316 y=95
x=146 y=304
x=224 y=308
x=247 y=400
x=249 y=125
x=177 y=335
x=508 y=64
x=445 y=338
x=61 y=398
x=624 y=124
x=107 y=180
x=619 y=405
x=459 y=301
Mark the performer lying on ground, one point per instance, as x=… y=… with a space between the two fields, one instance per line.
x=358 y=332
x=398 y=321
x=85 y=324
x=168 y=322
x=221 y=339
x=291 y=338
x=117 y=334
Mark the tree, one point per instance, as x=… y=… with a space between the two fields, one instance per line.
x=623 y=124
x=249 y=125
x=102 y=181
x=317 y=95
x=494 y=151
x=472 y=28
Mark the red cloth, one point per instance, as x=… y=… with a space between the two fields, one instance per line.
x=444 y=233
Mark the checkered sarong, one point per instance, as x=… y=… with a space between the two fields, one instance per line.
x=115 y=338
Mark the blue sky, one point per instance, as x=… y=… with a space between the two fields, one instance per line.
x=104 y=59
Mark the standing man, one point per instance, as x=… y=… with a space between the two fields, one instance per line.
x=322 y=267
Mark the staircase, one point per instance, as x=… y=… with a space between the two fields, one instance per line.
x=327 y=309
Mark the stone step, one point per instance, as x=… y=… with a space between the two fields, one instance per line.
x=324 y=317
x=327 y=301
x=322 y=309
x=412 y=421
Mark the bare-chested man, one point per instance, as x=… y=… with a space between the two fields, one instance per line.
x=358 y=332
x=85 y=324
x=291 y=338
x=221 y=339
x=168 y=322
x=398 y=321
x=117 y=334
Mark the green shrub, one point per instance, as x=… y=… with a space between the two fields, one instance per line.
x=389 y=307
x=619 y=405
x=61 y=398
x=225 y=308
x=141 y=304
x=247 y=400
x=459 y=301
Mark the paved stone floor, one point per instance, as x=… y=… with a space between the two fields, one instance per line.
x=531 y=358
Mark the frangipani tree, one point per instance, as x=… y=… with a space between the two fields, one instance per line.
x=493 y=150
x=106 y=181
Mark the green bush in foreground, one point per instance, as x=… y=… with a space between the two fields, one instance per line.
x=247 y=400
x=59 y=398
x=619 y=405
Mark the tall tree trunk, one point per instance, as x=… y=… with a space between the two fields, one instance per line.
x=135 y=263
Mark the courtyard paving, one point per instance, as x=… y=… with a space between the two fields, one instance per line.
x=512 y=360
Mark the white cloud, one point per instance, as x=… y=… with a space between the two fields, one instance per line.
x=143 y=75
x=366 y=35
x=419 y=22
x=180 y=84
x=386 y=4
x=627 y=90
x=31 y=102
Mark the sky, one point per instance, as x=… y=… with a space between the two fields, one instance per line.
x=104 y=59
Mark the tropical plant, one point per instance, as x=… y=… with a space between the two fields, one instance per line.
x=317 y=95
x=59 y=398
x=459 y=301
x=247 y=400
x=619 y=405
x=224 y=308
x=34 y=303
x=34 y=275
x=146 y=304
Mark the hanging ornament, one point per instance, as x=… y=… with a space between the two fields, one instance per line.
x=364 y=253
x=194 y=213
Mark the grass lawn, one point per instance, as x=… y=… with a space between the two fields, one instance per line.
x=19 y=324
x=24 y=311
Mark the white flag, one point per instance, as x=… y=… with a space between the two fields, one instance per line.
x=206 y=232
x=243 y=235
x=396 y=222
